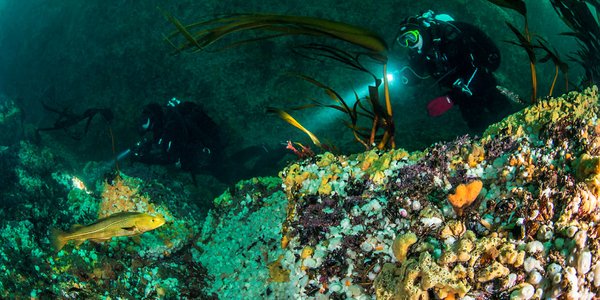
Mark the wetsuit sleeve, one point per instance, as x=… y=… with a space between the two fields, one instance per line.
x=486 y=54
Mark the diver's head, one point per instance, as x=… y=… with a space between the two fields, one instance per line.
x=414 y=33
x=410 y=38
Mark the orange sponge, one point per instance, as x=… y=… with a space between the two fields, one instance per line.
x=465 y=195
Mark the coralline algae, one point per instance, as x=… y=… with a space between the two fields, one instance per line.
x=530 y=233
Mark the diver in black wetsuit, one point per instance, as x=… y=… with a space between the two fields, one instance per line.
x=182 y=134
x=462 y=59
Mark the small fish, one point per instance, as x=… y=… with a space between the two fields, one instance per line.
x=512 y=96
x=119 y=224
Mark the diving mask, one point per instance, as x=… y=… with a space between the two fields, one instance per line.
x=410 y=39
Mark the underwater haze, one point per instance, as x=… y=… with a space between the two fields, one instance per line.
x=303 y=150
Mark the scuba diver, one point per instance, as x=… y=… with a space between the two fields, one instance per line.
x=462 y=59
x=179 y=133
x=182 y=134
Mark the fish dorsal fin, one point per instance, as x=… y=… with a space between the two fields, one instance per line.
x=119 y=214
x=116 y=215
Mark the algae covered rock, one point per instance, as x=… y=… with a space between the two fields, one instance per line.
x=570 y=107
x=390 y=222
x=156 y=262
x=382 y=224
x=239 y=243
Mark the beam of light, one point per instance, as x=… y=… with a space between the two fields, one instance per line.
x=123 y=154
x=106 y=165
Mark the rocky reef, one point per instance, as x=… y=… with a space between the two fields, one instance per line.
x=513 y=214
x=510 y=215
x=41 y=195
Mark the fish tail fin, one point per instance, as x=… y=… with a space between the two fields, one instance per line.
x=57 y=237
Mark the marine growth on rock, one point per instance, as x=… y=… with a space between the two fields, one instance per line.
x=513 y=214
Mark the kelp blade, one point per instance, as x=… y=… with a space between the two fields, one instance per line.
x=288 y=118
x=213 y=30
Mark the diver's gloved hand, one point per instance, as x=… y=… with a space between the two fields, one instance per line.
x=463 y=86
x=439 y=106
x=147 y=151
x=140 y=148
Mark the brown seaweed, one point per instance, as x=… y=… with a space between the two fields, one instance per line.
x=199 y=36
x=578 y=16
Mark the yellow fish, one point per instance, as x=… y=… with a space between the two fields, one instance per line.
x=119 y=224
